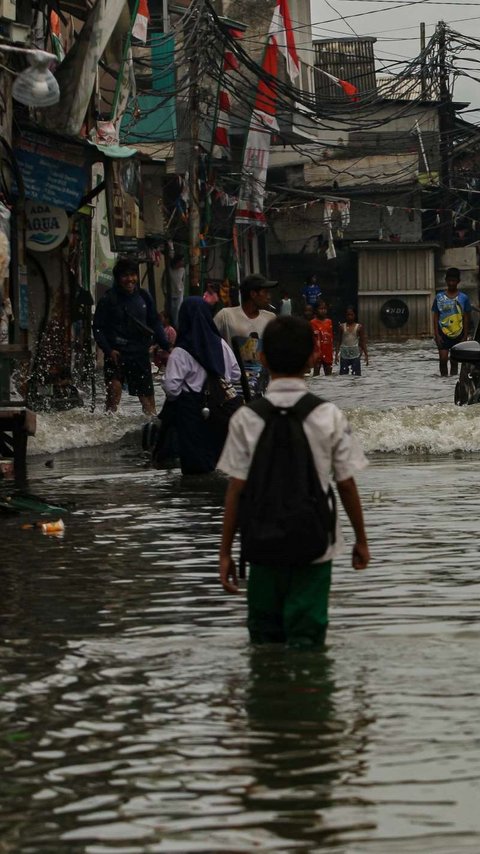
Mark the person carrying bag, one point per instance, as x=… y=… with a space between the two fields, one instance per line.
x=198 y=386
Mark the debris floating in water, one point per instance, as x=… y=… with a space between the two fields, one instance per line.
x=57 y=527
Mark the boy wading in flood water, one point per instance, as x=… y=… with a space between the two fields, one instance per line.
x=288 y=519
x=451 y=311
x=352 y=342
x=323 y=335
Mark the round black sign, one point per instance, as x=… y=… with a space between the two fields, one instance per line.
x=394 y=313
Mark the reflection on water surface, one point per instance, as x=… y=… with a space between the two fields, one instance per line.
x=136 y=718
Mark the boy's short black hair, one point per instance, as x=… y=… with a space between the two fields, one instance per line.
x=453 y=273
x=124 y=266
x=287 y=344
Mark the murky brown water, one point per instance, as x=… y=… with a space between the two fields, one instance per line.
x=134 y=716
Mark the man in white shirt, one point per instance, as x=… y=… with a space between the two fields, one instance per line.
x=242 y=326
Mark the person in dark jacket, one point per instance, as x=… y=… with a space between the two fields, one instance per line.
x=124 y=326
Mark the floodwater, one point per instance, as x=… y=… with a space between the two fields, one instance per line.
x=135 y=717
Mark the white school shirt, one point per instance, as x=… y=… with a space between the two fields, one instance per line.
x=184 y=373
x=334 y=448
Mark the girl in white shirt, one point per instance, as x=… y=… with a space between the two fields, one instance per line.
x=199 y=351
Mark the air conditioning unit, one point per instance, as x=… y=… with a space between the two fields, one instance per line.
x=8 y=9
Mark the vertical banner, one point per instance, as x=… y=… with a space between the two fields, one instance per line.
x=255 y=165
x=257 y=150
x=102 y=256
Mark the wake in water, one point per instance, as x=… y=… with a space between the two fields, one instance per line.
x=399 y=405
x=434 y=429
x=80 y=428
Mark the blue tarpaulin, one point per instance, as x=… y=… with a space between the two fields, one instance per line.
x=152 y=117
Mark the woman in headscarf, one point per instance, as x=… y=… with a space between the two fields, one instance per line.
x=199 y=352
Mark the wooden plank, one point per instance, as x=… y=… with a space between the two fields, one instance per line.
x=23 y=419
x=12 y=350
x=30 y=423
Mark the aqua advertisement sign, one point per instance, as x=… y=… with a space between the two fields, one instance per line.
x=46 y=226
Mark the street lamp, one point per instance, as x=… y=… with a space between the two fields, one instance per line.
x=35 y=86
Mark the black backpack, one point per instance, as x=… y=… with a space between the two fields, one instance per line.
x=285 y=516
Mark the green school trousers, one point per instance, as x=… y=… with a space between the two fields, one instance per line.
x=289 y=605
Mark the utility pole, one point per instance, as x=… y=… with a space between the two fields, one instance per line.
x=423 y=66
x=166 y=18
x=445 y=127
x=193 y=185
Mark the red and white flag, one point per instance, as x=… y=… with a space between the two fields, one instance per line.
x=257 y=149
x=350 y=90
x=263 y=122
x=140 y=25
x=221 y=141
x=281 y=30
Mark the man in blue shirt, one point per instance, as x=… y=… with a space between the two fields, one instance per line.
x=451 y=319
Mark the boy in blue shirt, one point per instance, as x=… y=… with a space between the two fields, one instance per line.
x=451 y=319
x=312 y=291
x=290 y=604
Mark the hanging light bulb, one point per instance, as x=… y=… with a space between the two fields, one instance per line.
x=36 y=86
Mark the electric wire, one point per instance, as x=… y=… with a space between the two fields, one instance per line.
x=311 y=115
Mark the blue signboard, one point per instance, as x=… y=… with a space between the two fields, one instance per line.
x=53 y=173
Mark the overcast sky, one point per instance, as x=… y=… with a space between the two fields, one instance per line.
x=396 y=26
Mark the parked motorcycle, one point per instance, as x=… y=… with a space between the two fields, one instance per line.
x=467 y=388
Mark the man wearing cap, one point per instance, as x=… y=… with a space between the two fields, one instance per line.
x=451 y=319
x=242 y=326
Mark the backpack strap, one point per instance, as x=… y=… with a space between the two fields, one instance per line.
x=262 y=407
x=306 y=405
x=302 y=408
